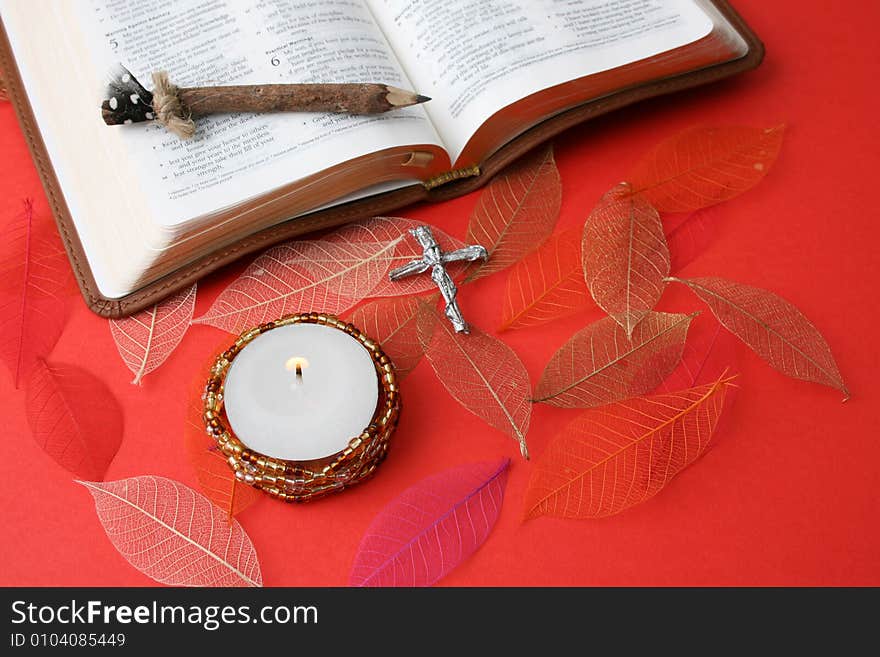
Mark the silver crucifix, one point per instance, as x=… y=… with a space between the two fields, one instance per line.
x=435 y=259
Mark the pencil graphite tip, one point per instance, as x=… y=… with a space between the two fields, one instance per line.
x=403 y=98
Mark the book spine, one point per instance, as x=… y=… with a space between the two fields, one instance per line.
x=449 y=176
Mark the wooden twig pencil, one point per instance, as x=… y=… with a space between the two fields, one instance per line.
x=129 y=102
x=350 y=98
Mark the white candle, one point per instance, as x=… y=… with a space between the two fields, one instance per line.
x=300 y=392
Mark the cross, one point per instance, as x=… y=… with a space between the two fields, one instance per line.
x=435 y=259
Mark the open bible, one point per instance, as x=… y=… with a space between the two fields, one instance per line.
x=144 y=213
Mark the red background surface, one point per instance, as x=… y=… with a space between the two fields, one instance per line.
x=787 y=496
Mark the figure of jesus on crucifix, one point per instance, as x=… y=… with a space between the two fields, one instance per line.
x=435 y=260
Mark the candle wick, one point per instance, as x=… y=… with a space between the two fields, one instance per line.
x=299 y=374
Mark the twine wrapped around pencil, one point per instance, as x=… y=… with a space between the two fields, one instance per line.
x=174 y=107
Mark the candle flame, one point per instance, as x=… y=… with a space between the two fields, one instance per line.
x=296 y=364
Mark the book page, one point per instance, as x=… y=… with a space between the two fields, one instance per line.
x=210 y=42
x=475 y=58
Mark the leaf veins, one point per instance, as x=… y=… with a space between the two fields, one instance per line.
x=431 y=527
x=144 y=340
x=516 y=211
x=600 y=364
x=772 y=327
x=173 y=534
x=393 y=324
x=547 y=284
x=624 y=255
x=74 y=417
x=614 y=457
x=705 y=165
x=481 y=372
x=35 y=282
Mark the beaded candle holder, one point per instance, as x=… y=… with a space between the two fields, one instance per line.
x=300 y=481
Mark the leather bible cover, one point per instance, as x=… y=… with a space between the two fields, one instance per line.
x=379 y=205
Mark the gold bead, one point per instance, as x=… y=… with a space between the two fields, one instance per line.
x=247 y=336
